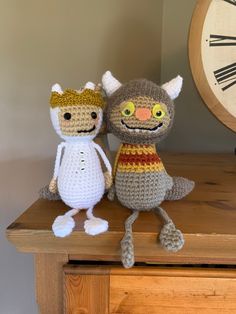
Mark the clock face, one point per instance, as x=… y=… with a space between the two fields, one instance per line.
x=212 y=54
x=218 y=49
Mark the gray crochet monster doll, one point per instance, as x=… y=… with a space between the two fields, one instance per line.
x=141 y=114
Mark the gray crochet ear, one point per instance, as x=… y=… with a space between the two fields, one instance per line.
x=173 y=87
x=110 y=83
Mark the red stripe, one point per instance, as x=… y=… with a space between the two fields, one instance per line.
x=139 y=159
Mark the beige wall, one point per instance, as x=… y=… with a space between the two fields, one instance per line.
x=43 y=42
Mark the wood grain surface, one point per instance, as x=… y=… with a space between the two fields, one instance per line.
x=86 y=294
x=207 y=218
x=150 y=290
x=48 y=280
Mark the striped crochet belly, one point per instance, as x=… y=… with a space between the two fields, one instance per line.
x=140 y=177
x=139 y=159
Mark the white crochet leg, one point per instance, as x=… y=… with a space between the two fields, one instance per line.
x=94 y=225
x=64 y=224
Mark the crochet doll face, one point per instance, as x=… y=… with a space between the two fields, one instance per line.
x=80 y=120
x=140 y=112
x=76 y=114
x=141 y=118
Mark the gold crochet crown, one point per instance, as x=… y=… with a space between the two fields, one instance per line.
x=72 y=97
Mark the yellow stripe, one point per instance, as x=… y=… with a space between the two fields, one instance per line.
x=137 y=149
x=155 y=167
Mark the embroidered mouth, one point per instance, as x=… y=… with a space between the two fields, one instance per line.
x=87 y=131
x=146 y=129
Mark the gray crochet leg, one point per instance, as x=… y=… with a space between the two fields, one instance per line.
x=127 y=246
x=181 y=187
x=46 y=194
x=171 y=238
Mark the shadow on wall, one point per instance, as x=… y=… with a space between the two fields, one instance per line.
x=196 y=126
x=22 y=180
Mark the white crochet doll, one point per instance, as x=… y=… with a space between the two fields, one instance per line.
x=77 y=118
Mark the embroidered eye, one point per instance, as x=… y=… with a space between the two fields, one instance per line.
x=158 y=112
x=128 y=109
x=67 y=116
x=94 y=115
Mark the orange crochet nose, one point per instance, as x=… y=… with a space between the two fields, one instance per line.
x=143 y=114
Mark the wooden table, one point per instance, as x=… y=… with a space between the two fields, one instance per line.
x=80 y=273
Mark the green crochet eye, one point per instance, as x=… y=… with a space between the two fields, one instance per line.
x=158 y=112
x=128 y=109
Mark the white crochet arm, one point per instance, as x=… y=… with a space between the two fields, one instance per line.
x=58 y=159
x=104 y=157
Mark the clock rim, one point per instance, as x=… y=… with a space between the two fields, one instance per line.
x=197 y=69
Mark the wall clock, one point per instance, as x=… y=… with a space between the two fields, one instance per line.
x=212 y=54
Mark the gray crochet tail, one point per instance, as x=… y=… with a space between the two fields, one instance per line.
x=171 y=238
x=127 y=246
x=181 y=187
x=46 y=194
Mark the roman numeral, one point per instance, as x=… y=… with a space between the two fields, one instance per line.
x=226 y=76
x=233 y=2
x=220 y=40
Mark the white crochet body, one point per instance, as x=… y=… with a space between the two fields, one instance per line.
x=78 y=173
x=81 y=181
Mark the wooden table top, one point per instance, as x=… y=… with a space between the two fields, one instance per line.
x=207 y=218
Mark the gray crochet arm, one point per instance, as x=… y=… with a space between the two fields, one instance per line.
x=181 y=187
x=46 y=194
x=111 y=193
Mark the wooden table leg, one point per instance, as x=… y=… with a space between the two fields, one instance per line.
x=49 y=285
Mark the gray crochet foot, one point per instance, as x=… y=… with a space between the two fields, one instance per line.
x=127 y=246
x=46 y=194
x=171 y=238
x=181 y=187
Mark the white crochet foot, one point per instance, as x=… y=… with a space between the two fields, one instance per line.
x=63 y=226
x=95 y=226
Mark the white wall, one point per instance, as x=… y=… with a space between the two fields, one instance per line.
x=43 y=42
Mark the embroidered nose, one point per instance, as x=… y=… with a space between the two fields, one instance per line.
x=143 y=114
